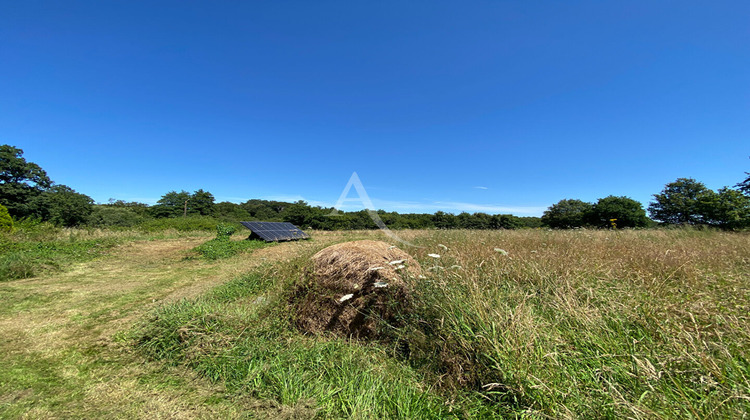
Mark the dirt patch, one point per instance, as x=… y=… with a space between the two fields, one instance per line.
x=353 y=287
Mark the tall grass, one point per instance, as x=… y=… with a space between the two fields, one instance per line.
x=590 y=323
x=181 y=224
x=616 y=324
x=35 y=247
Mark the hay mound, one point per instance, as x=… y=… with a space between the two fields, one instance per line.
x=354 y=285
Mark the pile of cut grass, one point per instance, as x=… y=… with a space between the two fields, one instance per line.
x=506 y=323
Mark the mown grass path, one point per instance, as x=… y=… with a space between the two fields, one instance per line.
x=61 y=351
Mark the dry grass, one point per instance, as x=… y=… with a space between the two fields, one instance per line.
x=350 y=283
x=623 y=323
x=636 y=324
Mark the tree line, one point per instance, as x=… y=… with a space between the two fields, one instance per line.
x=27 y=192
x=682 y=202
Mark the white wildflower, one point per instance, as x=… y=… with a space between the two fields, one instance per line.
x=443 y=246
x=380 y=284
x=434 y=255
x=501 y=251
x=375 y=268
x=346 y=297
x=396 y=262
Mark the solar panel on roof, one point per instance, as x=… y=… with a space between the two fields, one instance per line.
x=275 y=231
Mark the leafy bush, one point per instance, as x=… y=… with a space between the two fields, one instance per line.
x=224 y=230
x=109 y=216
x=6 y=222
x=182 y=224
x=223 y=246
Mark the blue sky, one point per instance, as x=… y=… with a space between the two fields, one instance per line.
x=495 y=106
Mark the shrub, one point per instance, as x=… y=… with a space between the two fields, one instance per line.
x=182 y=224
x=114 y=216
x=6 y=222
x=224 y=231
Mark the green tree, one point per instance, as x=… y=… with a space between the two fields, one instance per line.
x=231 y=211
x=264 y=209
x=20 y=181
x=443 y=220
x=744 y=186
x=201 y=202
x=298 y=214
x=529 y=222
x=62 y=205
x=728 y=209
x=171 y=204
x=6 y=222
x=566 y=214
x=617 y=211
x=681 y=202
x=505 y=221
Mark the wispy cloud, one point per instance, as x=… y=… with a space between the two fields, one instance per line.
x=481 y=188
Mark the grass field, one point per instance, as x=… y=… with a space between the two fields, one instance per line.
x=528 y=323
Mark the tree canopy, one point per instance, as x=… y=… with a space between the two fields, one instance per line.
x=20 y=181
x=617 y=212
x=183 y=203
x=727 y=209
x=62 y=205
x=566 y=214
x=744 y=186
x=682 y=202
